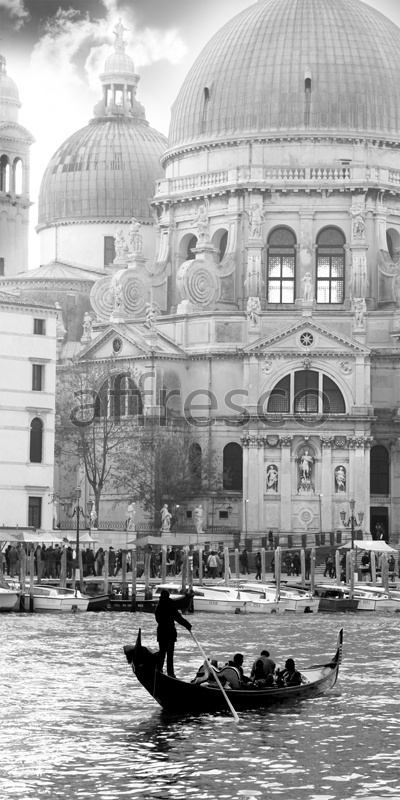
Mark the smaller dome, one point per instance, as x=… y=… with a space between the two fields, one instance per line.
x=8 y=87
x=119 y=62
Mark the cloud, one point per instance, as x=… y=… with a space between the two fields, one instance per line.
x=16 y=10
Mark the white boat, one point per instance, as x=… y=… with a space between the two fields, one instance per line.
x=375 y=598
x=56 y=599
x=8 y=599
x=290 y=599
x=215 y=599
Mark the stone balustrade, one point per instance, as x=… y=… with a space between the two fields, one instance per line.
x=278 y=177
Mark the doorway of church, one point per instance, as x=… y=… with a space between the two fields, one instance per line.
x=379 y=522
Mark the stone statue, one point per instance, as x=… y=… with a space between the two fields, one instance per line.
x=359 y=309
x=272 y=478
x=256 y=215
x=121 y=247
x=165 y=518
x=358 y=213
x=152 y=312
x=202 y=223
x=340 y=479
x=199 y=519
x=87 y=326
x=253 y=311
x=93 y=517
x=306 y=462
x=130 y=515
x=60 y=327
x=308 y=288
x=135 y=237
x=119 y=35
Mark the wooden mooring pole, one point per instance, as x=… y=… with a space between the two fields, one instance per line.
x=134 y=579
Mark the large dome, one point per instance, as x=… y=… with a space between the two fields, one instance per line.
x=293 y=67
x=105 y=171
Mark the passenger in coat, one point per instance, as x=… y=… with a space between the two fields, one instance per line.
x=166 y=615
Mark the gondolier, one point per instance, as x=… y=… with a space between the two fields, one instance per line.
x=166 y=615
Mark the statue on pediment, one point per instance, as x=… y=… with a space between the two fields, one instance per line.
x=135 y=237
x=306 y=462
x=256 y=216
x=121 y=247
x=253 y=311
x=201 y=221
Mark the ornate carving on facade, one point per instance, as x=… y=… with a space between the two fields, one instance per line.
x=340 y=441
x=117 y=294
x=253 y=312
x=346 y=367
x=271 y=441
x=305 y=516
x=198 y=282
x=306 y=362
x=201 y=222
x=87 y=327
x=286 y=441
x=389 y=269
x=358 y=214
x=251 y=440
x=254 y=283
x=363 y=442
x=340 y=479
x=256 y=218
x=267 y=366
x=125 y=293
x=272 y=478
x=152 y=312
x=327 y=441
x=358 y=276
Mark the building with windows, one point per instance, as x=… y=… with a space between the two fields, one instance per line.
x=27 y=411
x=269 y=315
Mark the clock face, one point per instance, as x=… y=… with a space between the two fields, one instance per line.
x=117 y=345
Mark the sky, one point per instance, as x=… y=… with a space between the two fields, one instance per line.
x=56 y=49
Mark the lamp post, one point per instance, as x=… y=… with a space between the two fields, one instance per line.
x=78 y=512
x=245 y=519
x=352 y=520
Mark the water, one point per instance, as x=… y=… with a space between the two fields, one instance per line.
x=75 y=723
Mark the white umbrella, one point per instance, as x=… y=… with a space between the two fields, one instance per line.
x=83 y=537
x=369 y=544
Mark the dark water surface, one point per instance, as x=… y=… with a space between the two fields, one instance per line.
x=76 y=724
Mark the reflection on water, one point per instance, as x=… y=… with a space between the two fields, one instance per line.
x=76 y=724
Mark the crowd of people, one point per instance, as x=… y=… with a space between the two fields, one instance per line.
x=264 y=673
x=49 y=558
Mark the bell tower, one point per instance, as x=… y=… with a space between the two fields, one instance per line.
x=15 y=142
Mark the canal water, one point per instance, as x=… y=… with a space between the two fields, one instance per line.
x=76 y=724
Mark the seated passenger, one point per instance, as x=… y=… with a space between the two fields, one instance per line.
x=268 y=664
x=290 y=676
x=237 y=662
x=260 y=679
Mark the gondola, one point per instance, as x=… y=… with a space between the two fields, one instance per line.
x=183 y=697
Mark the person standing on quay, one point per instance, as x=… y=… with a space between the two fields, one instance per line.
x=166 y=615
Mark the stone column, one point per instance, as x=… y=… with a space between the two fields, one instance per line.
x=359 y=474
x=251 y=513
x=286 y=483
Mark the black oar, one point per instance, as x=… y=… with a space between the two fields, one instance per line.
x=231 y=708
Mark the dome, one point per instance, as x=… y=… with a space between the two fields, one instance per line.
x=293 y=67
x=105 y=171
x=8 y=88
x=119 y=62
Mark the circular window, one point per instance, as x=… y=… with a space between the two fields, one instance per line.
x=117 y=345
x=307 y=339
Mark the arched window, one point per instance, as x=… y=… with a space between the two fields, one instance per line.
x=118 y=397
x=306 y=392
x=233 y=467
x=281 y=266
x=195 y=465
x=330 y=266
x=36 y=441
x=4 y=174
x=17 y=170
x=379 y=470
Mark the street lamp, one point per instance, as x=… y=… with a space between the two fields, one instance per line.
x=78 y=512
x=352 y=520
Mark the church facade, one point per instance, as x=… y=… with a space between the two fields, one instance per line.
x=265 y=310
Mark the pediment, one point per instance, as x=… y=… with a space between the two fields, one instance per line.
x=307 y=336
x=134 y=343
x=13 y=130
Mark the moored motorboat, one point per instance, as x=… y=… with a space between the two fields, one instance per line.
x=290 y=599
x=375 y=598
x=8 y=598
x=184 y=697
x=215 y=599
x=335 y=598
x=56 y=599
